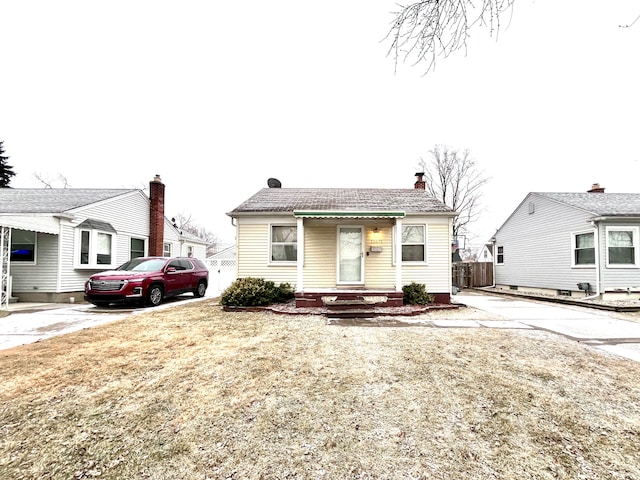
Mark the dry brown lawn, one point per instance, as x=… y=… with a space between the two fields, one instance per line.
x=194 y=392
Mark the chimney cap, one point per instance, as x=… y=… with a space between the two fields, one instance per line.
x=419 y=174
x=157 y=178
x=596 y=188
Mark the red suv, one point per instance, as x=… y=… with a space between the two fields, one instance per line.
x=147 y=280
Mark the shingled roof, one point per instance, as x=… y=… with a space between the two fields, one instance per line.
x=599 y=204
x=283 y=200
x=53 y=200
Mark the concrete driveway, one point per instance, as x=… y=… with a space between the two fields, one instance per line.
x=598 y=328
x=31 y=322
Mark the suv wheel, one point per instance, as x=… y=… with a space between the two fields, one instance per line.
x=154 y=295
x=200 y=290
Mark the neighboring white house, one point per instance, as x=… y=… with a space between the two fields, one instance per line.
x=485 y=254
x=336 y=241
x=52 y=240
x=571 y=243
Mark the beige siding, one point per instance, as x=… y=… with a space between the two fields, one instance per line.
x=320 y=256
x=436 y=274
x=379 y=270
x=253 y=255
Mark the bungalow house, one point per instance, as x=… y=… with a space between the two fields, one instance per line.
x=346 y=243
x=573 y=244
x=52 y=240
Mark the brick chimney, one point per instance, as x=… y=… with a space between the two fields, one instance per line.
x=156 y=217
x=596 y=188
x=420 y=183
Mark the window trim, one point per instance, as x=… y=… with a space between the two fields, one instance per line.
x=35 y=249
x=499 y=255
x=270 y=249
x=93 y=239
x=144 y=246
x=623 y=228
x=574 y=236
x=397 y=237
x=164 y=251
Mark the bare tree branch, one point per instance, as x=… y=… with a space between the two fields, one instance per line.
x=47 y=182
x=631 y=24
x=185 y=223
x=426 y=29
x=455 y=179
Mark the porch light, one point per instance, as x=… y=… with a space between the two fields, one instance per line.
x=376 y=237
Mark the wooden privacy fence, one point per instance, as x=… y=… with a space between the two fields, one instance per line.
x=473 y=274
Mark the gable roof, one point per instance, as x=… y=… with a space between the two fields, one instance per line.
x=599 y=204
x=289 y=200
x=53 y=200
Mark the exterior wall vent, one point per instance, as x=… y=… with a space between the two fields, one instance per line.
x=532 y=208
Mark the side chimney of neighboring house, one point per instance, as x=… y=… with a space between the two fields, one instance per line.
x=596 y=188
x=420 y=183
x=156 y=217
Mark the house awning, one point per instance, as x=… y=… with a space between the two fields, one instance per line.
x=33 y=223
x=343 y=214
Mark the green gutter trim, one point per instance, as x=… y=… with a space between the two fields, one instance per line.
x=312 y=214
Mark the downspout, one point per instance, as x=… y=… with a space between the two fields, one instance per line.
x=596 y=246
x=398 y=254
x=300 y=256
x=493 y=261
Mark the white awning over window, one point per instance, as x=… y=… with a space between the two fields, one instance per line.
x=32 y=223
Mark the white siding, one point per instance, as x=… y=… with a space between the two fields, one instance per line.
x=617 y=278
x=537 y=246
x=40 y=277
x=129 y=216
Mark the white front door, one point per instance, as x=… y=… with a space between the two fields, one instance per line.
x=350 y=255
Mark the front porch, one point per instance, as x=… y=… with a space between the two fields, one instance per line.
x=338 y=299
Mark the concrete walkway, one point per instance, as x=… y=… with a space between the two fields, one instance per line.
x=598 y=328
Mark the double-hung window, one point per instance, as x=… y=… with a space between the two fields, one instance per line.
x=166 y=249
x=414 y=243
x=500 y=255
x=95 y=245
x=622 y=246
x=23 y=246
x=137 y=248
x=284 y=243
x=584 y=251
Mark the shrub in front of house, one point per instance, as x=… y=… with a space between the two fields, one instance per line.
x=255 y=292
x=416 y=294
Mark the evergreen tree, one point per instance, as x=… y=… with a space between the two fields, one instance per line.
x=6 y=170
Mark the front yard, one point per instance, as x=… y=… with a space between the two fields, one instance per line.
x=194 y=392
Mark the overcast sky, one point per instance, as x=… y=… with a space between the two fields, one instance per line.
x=217 y=97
